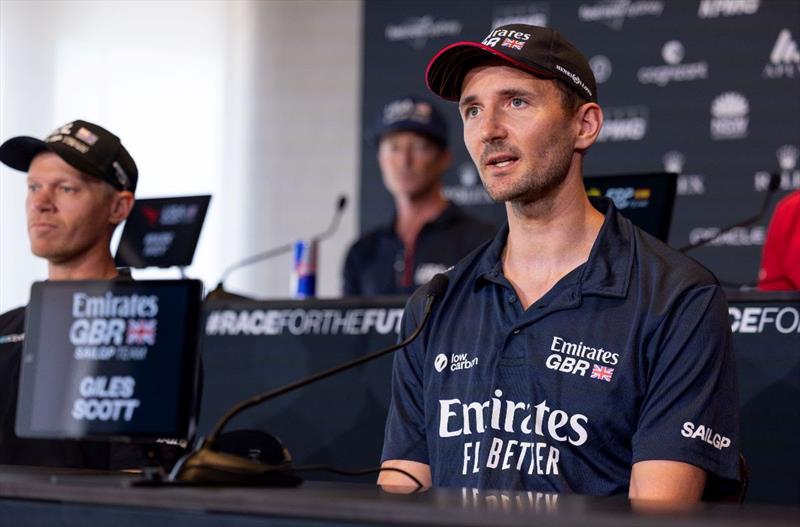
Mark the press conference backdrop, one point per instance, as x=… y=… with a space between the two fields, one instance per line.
x=709 y=89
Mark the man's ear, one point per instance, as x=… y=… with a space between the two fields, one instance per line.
x=121 y=207
x=590 y=121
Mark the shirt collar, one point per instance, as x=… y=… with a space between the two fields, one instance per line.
x=606 y=272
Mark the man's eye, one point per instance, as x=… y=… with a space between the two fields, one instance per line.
x=472 y=111
x=516 y=102
x=68 y=189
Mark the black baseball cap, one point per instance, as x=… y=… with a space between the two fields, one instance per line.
x=83 y=145
x=412 y=114
x=538 y=50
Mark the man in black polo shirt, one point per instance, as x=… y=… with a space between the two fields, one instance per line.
x=428 y=234
x=81 y=184
x=574 y=353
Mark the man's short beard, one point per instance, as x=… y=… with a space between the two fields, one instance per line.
x=537 y=184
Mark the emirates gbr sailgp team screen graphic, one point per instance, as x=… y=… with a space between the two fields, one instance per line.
x=109 y=359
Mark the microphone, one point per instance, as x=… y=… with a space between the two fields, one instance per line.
x=204 y=465
x=219 y=291
x=774 y=183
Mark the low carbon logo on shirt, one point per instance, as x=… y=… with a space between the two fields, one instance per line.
x=440 y=363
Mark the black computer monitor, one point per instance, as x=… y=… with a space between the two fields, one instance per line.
x=645 y=199
x=110 y=359
x=162 y=232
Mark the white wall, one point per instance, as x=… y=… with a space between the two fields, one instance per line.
x=253 y=102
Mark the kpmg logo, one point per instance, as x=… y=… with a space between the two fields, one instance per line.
x=789 y=173
x=417 y=31
x=724 y=8
x=729 y=116
x=628 y=123
x=614 y=12
x=469 y=191
x=601 y=67
x=688 y=184
x=784 y=61
x=673 y=53
x=533 y=14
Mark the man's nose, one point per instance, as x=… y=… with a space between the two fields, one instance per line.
x=492 y=128
x=42 y=199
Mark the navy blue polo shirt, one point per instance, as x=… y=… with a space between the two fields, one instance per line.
x=378 y=264
x=627 y=358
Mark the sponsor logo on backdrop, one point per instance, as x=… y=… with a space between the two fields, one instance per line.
x=688 y=184
x=738 y=237
x=784 y=61
x=758 y=319
x=534 y=14
x=248 y=322
x=789 y=173
x=729 y=116
x=625 y=197
x=719 y=8
x=417 y=31
x=627 y=123
x=614 y=12
x=469 y=191
x=673 y=53
x=601 y=67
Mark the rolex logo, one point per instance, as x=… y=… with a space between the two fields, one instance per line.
x=673 y=161
x=787 y=157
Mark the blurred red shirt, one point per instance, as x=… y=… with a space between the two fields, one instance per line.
x=780 y=261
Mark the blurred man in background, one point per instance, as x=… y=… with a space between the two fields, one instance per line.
x=428 y=234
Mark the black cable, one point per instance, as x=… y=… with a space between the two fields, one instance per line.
x=363 y=472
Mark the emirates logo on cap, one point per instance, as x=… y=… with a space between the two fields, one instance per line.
x=507 y=38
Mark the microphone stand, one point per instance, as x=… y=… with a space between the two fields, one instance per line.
x=774 y=182
x=204 y=465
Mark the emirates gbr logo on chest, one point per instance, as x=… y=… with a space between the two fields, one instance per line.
x=580 y=359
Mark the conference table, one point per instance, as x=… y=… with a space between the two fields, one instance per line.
x=39 y=496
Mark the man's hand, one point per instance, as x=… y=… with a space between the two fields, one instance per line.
x=393 y=481
x=667 y=481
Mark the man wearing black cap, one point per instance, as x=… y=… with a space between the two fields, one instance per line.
x=81 y=182
x=428 y=234
x=574 y=353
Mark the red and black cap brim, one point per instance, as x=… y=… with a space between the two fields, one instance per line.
x=446 y=70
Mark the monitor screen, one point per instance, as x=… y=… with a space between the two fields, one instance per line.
x=645 y=199
x=110 y=359
x=162 y=232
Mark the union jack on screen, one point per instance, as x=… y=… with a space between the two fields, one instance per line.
x=142 y=332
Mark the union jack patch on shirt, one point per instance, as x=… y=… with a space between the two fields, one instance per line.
x=603 y=373
x=141 y=332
